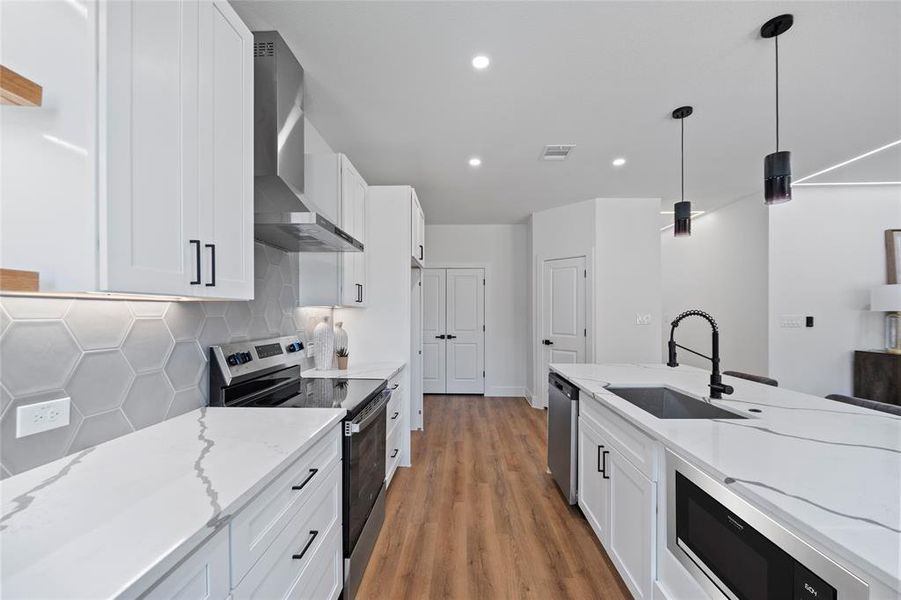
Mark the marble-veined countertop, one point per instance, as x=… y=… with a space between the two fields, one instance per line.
x=829 y=471
x=110 y=520
x=372 y=370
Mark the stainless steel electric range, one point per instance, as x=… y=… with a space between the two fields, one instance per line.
x=266 y=373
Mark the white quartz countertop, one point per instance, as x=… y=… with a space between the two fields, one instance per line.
x=110 y=520
x=829 y=471
x=372 y=370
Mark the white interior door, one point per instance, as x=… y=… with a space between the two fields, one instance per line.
x=563 y=319
x=465 y=331
x=434 y=286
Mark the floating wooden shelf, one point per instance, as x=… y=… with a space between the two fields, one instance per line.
x=18 y=90
x=12 y=280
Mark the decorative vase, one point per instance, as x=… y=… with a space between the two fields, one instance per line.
x=324 y=342
x=340 y=336
x=342 y=363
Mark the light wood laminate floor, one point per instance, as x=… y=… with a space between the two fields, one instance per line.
x=477 y=516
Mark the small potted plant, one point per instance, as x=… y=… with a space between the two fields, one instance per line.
x=342 y=355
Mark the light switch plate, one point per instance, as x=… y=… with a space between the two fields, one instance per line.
x=643 y=319
x=42 y=416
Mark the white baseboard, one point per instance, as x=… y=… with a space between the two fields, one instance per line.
x=506 y=391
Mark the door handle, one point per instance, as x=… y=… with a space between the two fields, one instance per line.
x=440 y=337
x=451 y=337
x=212 y=248
x=547 y=342
x=196 y=244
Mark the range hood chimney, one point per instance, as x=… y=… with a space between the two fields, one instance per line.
x=282 y=216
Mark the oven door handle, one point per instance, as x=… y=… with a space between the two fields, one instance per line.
x=368 y=417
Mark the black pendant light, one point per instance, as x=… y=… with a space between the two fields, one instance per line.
x=777 y=171
x=682 y=213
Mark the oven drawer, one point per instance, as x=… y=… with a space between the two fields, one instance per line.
x=305 y=560
x=261 y=521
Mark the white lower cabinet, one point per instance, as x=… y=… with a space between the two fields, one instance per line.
x=617 y=498
x=202 y=576
x=285 y=543
x=305 y=555
x=632 y=530
x=594 y=493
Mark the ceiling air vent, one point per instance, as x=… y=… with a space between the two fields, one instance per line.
x=557 y=151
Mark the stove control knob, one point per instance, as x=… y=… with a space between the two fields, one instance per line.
x=294 y=347
x=234 y=359
x=246 y=357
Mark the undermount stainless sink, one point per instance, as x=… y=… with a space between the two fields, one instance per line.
x=665 y=403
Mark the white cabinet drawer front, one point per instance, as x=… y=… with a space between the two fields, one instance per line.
x=255 y=527
x=282 y=572
x=637 y=447
x=393 y=449
x=395 y=411
x=202 y=576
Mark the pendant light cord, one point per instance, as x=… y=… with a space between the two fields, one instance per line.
x=682 y=122
x=777 y=93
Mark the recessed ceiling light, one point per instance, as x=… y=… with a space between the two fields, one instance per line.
x=475 y=161
x=618 y=162
x=480 y=62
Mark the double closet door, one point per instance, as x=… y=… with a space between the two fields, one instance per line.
x=453 y=331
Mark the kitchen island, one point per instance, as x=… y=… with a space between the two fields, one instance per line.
x=828 y=472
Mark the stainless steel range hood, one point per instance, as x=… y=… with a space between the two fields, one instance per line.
x=282 y=216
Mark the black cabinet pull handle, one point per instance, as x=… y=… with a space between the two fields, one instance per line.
x=305 y=481
x=395 y=453
x=361 y=292
x=212 y=248
x=313 y=534
x=395 y=416
x=395 y=386
x=421 y=252
x=602 y=469
x=197 y=255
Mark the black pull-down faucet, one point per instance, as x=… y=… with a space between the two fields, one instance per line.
x=717 y=387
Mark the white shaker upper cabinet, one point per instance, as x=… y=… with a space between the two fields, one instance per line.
x=333 y=187
x=178 y=131
x=417 y=231
x=146 y=129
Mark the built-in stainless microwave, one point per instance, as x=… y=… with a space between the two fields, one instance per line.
x=736 y=551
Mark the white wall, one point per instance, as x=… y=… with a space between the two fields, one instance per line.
x=722 y=269
x=827 y=250
x=620 y=237
x=627 y=280
x=503 y=249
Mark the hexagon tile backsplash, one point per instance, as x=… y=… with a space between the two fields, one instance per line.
x=125 y=365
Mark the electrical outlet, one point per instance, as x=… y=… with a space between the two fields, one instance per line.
x=643 y=319
x=42 y=416
x=791 y=321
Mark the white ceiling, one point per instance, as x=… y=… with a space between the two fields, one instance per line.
x=391 y=85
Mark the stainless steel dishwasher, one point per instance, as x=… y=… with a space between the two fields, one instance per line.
x=562 y=435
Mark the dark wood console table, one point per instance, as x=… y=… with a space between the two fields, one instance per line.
x=877 y=376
